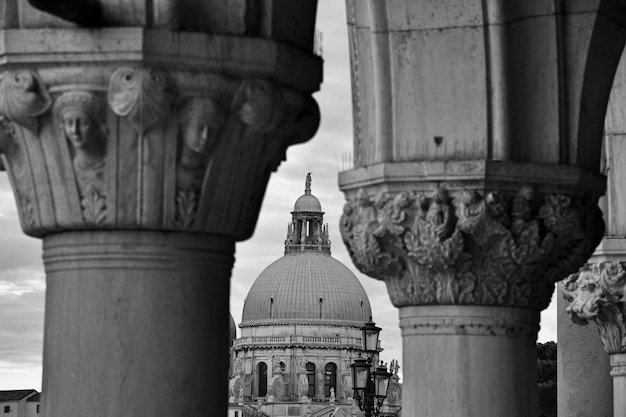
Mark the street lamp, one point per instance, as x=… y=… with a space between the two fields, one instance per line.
x=370 y=388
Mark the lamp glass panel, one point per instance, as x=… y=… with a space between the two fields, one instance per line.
x=371 y=341
x=361 y=378
x=360 y=374
x=381 y=384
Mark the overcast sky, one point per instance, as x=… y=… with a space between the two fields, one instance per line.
x=22 y=282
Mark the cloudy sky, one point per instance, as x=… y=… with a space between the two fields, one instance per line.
x=22 y=282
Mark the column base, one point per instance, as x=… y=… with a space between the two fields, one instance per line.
x=133 y=317
x=470 y=361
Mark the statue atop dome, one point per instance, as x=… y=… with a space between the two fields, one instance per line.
x=307 y=184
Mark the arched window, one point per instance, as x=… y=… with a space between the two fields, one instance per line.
x=262 y=374
x=330 y=379
x=310 y=376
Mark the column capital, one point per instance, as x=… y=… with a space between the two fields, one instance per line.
x=470 y=244
x=152 y=132
x=596 y=294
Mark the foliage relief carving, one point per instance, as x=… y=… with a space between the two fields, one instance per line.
x=94 y=207
x=596 y=294
x=497 y=249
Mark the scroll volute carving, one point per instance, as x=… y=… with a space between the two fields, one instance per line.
x=144 y=96
x=23 y=98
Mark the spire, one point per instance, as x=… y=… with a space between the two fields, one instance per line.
x=307 y=184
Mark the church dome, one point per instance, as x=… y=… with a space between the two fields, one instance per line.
x=307 y=202
x=307 y=287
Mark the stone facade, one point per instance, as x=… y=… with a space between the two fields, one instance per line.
x=301 y=326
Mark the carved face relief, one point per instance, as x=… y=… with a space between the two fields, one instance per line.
x=200 y=120
x=78 y=128
x=79 y=114
x=196 y=136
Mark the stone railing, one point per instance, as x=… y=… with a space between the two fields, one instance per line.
x=297 y=340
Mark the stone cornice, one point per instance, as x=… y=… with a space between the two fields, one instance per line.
x=483 y=175
x=231 y=55
x=597 y=294
x=474 y=248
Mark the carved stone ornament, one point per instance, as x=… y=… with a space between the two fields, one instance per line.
x=142 y=162
x=23 y=97
x=144 y=96
x=470 y=249
x=596 y=294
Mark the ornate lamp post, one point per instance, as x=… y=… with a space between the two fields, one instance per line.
x=370 y=388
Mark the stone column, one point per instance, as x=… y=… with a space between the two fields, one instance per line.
x=618 y=372
x=477 y=143
x=585 y=387
x=139 y=151
x=596 y=294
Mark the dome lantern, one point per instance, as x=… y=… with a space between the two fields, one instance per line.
x=307 y=232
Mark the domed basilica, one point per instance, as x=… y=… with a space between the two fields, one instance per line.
x=301 y=321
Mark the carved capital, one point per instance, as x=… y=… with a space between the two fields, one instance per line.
x=596 y=294
x=134 y=147
x=470 y=247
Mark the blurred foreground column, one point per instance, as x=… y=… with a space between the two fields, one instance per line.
x=477 y=143
x=139 y=149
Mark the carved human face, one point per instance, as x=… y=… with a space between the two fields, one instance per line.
x=197 y=136
x=78 y=127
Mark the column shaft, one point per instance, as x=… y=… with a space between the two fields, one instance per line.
x=470 y=361
x=584 y=386
x=618 y=371
x=134 y=317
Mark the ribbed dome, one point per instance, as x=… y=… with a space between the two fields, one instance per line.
x=307 y=202
x=310 y=287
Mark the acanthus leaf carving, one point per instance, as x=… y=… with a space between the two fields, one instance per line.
x=497 y=249
x=23 y=98
x=94 y=207
x=186 y=207
x=144 y=96
x=597 y=293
